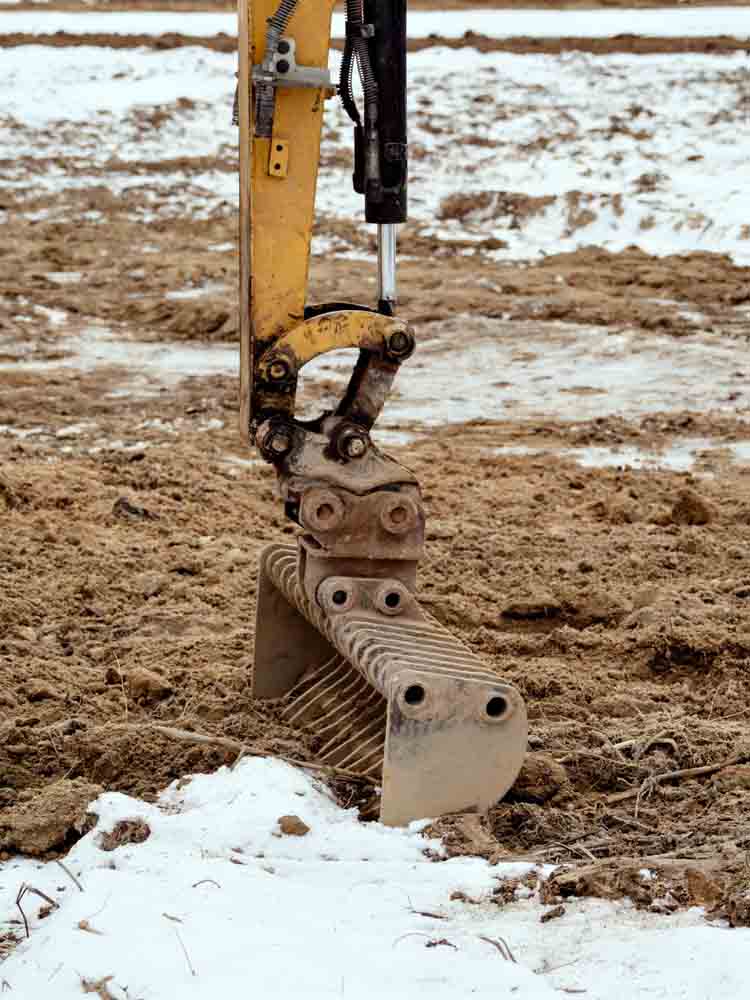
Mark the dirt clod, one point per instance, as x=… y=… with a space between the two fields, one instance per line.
x=126 y=831
x=54 y=818
x=690 y=508
x=146 y=686
x=293 y=826
x=540 y=779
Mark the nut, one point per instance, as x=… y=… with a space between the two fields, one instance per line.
x=352 y=442
x=274 y=439
x=401 y=344
x=278 y=370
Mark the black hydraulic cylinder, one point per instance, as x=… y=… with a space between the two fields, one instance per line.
x=386 y=202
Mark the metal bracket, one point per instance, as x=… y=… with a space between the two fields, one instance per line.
x=286 y=72
x=278 y=157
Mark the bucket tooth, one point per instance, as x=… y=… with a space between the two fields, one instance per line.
x=390 y=695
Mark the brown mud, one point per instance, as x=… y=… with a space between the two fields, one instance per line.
x=522 y=45
x=618 y=600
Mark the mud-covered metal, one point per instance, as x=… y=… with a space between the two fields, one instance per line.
x=393 y=694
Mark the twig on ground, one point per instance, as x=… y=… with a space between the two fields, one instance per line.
x=431 y=942
x=69 y=873
x=647 y=786
x=203 y=882
x=98 y=986
x=23 y=891
x=502 y=946
x=185 y=953
x=84 y=925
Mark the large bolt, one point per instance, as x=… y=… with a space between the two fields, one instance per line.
x=282 y=66
x=352 y=442
x=398 y=514
x=321 y=510
x=401 y=344
x=283 y=47
x=278 y=370
x=274 y=440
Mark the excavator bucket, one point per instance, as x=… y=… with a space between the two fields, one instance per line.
x=341 y=639
x=398 y=699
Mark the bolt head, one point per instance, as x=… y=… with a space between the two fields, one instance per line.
x=401 y=344
x=274 y=441
x=356 y=447
x=282 y=66
x=280 y=443
x=278 y=370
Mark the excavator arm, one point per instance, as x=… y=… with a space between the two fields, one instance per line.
x=340 y=634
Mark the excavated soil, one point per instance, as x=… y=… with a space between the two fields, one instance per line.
x=633 y=44
x=131 y=519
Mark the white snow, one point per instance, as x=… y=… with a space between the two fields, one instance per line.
x=628 y=149
x=681 y=455
x=666 y=22
x=216 y=904
x=560 y=371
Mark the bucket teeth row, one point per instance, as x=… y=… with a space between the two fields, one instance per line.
x=391 y=696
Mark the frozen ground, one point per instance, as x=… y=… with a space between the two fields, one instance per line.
x=543 y=153
x=545 y=371
x=346 y=910
x=658 y=23
x=553 y=372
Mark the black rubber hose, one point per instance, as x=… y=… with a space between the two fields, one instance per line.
x=345 y=83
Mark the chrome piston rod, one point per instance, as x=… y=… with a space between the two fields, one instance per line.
x=387 y=263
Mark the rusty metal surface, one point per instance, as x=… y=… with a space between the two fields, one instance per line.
x=451 y=736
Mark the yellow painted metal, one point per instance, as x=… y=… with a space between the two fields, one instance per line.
x=278 y=160
x=276 y=219
x=331 y=332
x=245 y=111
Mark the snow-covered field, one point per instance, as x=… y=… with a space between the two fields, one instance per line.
x=218 y=903
x=621 y=149
x=668 y=22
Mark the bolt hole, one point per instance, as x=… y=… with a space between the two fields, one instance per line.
x=496 y=707
x=277 y=166
x=392 y=599
x=339 y=597
x=399 y=515
x=279 y=149
x=414 y=694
